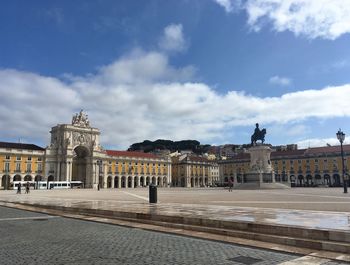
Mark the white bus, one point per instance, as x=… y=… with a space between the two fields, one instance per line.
x=75 y=184
x=58 y=185
x=64 y=184
x=43 y=185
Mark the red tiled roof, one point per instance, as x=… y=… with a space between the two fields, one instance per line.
x=310 y=151
x=20 y=146
x=298 y=153
x=327 y=149
x=289 y=153
x=131 y=154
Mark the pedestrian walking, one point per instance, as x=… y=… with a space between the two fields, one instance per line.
x=230 y=185
x=27 y=187
x=19 y=188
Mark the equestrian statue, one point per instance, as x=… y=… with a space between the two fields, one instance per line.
x=258 y=135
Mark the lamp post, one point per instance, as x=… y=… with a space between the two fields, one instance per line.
x=341 y=138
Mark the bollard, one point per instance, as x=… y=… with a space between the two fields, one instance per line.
x=152 y=193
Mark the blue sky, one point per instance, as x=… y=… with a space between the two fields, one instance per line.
x=206 y=69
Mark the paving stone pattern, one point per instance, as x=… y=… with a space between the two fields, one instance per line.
x=68 y=241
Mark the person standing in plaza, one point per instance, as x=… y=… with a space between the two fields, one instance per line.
x=27 y=187
x=230 y=185
x=19 y=188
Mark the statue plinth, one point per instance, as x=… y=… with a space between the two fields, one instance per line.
x=260 y=174
x=260 y=159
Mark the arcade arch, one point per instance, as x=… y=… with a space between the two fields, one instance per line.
x=28 y=178
x=5 y=182
x=109 y=182
x=80 y=163
x=17 y=178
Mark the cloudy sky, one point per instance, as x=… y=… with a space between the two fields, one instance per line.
x=199 y=69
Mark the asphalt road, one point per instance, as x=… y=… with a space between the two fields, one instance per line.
x=33 y=238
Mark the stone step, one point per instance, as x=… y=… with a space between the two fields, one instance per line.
x=333 y=246
x=318 y=239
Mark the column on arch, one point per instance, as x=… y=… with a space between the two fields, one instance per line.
x=235 y=183
x=132 y=181
x=169 y=175
x=69 y=170
x=119 y=182
x=105 y=177
x=138 y=181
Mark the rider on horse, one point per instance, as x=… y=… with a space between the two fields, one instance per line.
x=258 y=135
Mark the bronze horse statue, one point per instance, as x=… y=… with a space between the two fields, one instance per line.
x=258 y=135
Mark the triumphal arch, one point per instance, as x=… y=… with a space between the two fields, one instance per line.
x=74 y=152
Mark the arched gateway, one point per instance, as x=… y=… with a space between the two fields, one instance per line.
x=74 y=152
x=81 y=158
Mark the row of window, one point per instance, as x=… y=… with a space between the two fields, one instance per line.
x=308 y=161
x=136 y=163
x=135 y=169
x=18 y=167
x=19 y=158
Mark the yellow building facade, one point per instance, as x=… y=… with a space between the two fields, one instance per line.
x=75 y=154
x=193 y=171
x=21 y=162
x=320 y=166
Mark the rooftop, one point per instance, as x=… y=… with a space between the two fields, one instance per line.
x=8 y=145
x=131 y=154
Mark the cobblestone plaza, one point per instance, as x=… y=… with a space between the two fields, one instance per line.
x=54 y=239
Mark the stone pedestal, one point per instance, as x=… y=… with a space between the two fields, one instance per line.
x=260 y=159
x=260 y=175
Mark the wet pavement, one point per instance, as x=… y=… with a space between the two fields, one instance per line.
x=133 y=203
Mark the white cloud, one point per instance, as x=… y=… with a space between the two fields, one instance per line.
x=141 y=96
x=139 y=66
x=278 y=80
x=292 y=130
x=229 y=5
x=316 y=142
x=151 y=105
x=30 y=102
x=173 y=38
x=327 y=19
